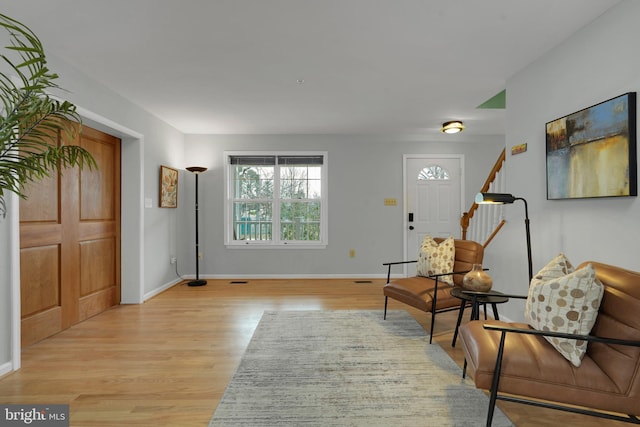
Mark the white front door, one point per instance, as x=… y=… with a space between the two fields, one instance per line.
x=433 y=188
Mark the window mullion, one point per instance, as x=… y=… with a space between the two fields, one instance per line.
x=276 y=206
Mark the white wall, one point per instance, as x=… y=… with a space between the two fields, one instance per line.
x=363 y=171
x=149 y=236
x=596 y=64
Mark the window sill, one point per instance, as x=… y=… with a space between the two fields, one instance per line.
x=276 y=246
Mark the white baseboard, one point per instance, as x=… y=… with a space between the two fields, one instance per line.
x=6 y=368
x=289 y=276
x=161 y=289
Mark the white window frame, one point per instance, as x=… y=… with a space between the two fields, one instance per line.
x=276 y=243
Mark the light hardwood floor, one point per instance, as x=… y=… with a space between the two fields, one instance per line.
x=167 y=362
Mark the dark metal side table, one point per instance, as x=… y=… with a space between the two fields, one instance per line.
x=476 y=299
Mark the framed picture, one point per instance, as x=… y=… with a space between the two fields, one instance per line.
x=592 y=152
x=168 y=187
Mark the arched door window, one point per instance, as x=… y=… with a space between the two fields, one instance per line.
x=433 y=172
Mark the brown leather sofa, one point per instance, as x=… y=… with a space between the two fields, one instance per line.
x=430 y=294
x=529 y=370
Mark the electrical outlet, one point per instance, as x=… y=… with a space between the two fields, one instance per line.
x=173 y=260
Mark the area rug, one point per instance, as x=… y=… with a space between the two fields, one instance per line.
x=348 y=368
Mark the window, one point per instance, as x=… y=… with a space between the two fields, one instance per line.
x=276 y=199
x=433 y=172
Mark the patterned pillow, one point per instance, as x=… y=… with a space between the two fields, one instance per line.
x=435 y=258
x=566 y=303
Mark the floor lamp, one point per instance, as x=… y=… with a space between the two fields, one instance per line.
x=504 y=198
x=197 y=170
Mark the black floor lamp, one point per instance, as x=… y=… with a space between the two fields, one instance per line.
x=197 y=170
x=504 y=198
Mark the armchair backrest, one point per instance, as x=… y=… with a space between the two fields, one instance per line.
x=468 y=253
x=618 y=317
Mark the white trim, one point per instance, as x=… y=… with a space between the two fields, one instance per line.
x=405 y=212
x=14 y=249
x=162 y=288
x=6 y=368
x=286 y=276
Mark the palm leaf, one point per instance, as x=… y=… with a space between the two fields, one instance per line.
x=30 y=118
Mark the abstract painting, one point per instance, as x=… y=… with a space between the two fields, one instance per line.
x=592 y=152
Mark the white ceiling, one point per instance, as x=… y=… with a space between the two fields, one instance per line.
x=368 y=66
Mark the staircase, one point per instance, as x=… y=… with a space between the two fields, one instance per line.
x=488 y=220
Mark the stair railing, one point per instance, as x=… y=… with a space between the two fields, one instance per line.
x=488 y=220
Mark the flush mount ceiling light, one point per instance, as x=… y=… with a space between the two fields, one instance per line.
x=452 y=127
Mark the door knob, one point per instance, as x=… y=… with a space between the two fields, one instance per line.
x=411 y=227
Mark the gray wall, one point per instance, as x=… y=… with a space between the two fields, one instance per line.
x=363 y=171
x=596 y=64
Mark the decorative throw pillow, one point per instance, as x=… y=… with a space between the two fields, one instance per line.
x=566 y=303
x=435 y=258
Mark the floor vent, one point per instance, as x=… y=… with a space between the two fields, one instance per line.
x=363 y=281
x=238 y=282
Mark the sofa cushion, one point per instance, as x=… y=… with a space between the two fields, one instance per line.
x=435 y=258
x=565 y=303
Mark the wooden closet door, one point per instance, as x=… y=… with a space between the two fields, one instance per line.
x=70 y=243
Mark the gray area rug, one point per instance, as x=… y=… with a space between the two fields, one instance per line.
x=348 y=368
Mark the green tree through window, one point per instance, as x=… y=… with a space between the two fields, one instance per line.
x=276 y=199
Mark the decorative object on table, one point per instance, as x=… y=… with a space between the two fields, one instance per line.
x=168 y=187
x=436 y=258
x=592 y=153
x=348 y=368
x=504 y=198
x=477 y=280
x=197 y=170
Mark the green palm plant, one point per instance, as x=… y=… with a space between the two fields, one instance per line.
x=30 y=117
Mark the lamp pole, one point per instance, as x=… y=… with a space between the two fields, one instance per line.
x=528 y=231
x=197 y=170
x=503 y=198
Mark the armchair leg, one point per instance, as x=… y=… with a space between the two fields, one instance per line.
x=386 y=300
x=496 y=380
x=433 y=321
x=464 y=368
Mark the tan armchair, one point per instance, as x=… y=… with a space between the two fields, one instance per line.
x=517 y=364
x=430 y=294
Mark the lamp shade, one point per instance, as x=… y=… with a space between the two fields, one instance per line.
x=495 y=198
x=196 y=169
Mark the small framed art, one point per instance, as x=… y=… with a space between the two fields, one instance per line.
x=168 y=187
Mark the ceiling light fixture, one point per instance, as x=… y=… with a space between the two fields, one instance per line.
x=452 y=127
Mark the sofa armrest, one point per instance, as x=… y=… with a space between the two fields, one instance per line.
x=590 y=338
